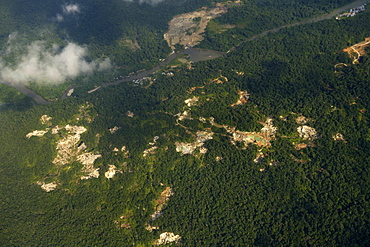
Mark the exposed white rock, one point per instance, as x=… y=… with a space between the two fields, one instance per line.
x=75 y=129
x=88 y=158
x=218 y=158
x=262 y=138
x=55 y=130
x=273 y=163
x=70 y=92
x=307 y=132
x=66 y=149
x=112 y=170
x=185 y=31
x=269 y=128
x=186 y=148
x=93 y=173
x=68 y=141
x=338 y=137
x=192 y=101
x=302 y=120
x=259 y=157
x=45 y=119
x=126 y=154
x=184 y=115
x=156 y=215
x=114 y=129
x=69 y=149
x=38 y=133
x=81 y=147
x=203 y=136
x=149 y=151
x=203 y=150
x=155 y=138
x=48 y=187
x=166 y=238
x=283 y=118
x=202 y=119
x=151 y=228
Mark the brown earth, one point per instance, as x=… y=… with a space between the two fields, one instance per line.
x=187 y=29
x=357 y=50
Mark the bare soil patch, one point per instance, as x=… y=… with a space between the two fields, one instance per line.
x=357 y=50
x=187 y=29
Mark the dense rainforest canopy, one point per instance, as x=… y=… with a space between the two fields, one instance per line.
x=281 y=189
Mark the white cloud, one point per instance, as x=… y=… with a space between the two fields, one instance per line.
x=59 y=18
x=68 y=9
x=71 y=9
x=54 y=65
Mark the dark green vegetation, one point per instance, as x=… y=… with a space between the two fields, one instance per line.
x=12 y=98
x=130 y=34
x=315 y=196
x=249 y=18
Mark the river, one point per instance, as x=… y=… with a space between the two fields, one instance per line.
x=28 y=92
x=195 y=54
x=306 y=21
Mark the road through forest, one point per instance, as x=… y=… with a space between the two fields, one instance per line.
x=208 y=54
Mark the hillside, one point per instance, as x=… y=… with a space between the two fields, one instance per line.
x=267 y=145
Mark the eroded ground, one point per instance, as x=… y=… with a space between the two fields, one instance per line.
x=187 y=29
x=357 y=50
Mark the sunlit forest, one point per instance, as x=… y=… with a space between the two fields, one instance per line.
x=213 y=152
